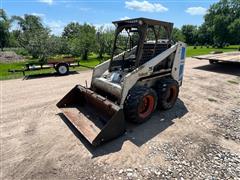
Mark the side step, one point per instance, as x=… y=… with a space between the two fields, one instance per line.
x=97 y=118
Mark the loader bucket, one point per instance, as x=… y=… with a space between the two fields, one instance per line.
x=94 y=116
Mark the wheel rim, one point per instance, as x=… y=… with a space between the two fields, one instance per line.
x=62 y=69
x=172 y=94
x=146 y=106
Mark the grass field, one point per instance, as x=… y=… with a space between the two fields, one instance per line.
x=92 y=62
x=201 y=51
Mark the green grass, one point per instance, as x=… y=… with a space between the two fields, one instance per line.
x=204 y=50
x=4 y=67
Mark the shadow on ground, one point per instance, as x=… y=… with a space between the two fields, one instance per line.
x=46 y=75
x=222 y=67
x=137 y=134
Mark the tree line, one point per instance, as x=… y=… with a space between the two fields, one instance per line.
x=37 y=40
x=221 y=27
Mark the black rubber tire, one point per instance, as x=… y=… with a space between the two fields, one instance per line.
x=167 y=91
x=62 y=66
x=135 y=99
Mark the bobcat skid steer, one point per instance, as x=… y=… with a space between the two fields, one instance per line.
x=144 y=73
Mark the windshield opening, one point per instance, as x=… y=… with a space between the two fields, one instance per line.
x=126 y=40
x=156 y=33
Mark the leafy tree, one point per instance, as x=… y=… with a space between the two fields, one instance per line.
x=105 y=39
x=13 y=38
x=234 y=29
x=190 y=33
x=87 y=40
x=177 y=35
x=82 y=41
x=4 y=29
x=204 y=35
x=35 y=38
x=100 y=42
x=71 y=30
x=109 y=40
x=222 y=19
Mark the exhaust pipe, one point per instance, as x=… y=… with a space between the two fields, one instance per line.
x=95 y=117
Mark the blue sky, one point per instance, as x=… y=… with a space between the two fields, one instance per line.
x=57 y=13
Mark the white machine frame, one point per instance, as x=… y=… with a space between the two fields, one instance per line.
x=132 y=78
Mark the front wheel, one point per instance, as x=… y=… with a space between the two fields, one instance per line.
x=140 y=104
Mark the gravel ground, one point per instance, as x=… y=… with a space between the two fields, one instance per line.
x=197 y=139
x=228 y=126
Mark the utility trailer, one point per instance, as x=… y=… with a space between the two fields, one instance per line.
x=233 y=57
x=60 y=65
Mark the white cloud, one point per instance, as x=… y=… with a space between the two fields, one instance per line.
x=196 y=10
x=145 y=6
x=50 y=2
x=124 y=18
x=56 y=26
x=38 y=14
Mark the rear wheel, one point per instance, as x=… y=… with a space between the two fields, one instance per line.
x=140 y=104
x=167 y=91
x=62 y=69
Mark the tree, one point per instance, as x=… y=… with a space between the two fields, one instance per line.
x=109 y=36
x=34 y=37
x=105 y=39
x=190 y=34
x=234 y=29
x=71 y=30
x=87 y=40
x=177 y=35
x=4 y=29
x=222 y=19
x=204 y=35
x=82 y=41
x=13 y=38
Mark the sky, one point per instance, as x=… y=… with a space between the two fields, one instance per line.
x=58 y=13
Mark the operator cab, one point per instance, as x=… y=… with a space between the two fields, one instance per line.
x=137 y=41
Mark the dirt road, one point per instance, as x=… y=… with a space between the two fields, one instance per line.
x=199 y=138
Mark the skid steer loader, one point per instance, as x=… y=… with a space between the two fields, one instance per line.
x=144 y=73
